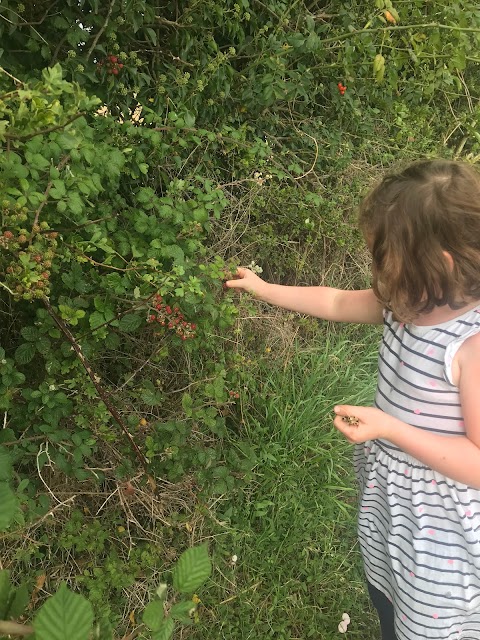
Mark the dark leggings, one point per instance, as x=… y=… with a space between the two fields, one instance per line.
x=385 y=612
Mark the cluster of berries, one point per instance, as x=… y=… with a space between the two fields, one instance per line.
x=27 y=275
x=342 y=88
x=234 y=394
x=172 y=318
x=112 y=65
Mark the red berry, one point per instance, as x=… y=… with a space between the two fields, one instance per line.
x=8 y=235
x=168 y=310
x=113 y=58
x=120 y=65
x=115 y=72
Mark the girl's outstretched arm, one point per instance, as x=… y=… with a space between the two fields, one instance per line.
x=322 y=302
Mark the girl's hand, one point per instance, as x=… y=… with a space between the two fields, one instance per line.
x=372 y=423
x=247 y=280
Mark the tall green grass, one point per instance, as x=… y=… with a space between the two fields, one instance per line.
x=293 y=527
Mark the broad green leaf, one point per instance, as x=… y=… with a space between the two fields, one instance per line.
x=165 y=631
x=19 y=602
x=30 y=333
x=182 y=611
x=96 y=319
x=192 y=569
x=43 y=345
x=25 y=353
x=8 y=504
x=64 y=615
x=153 y=615
x=130 y=322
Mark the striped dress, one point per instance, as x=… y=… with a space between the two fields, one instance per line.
x=419 y=531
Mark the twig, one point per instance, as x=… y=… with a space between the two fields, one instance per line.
x=12 y=136
x=2 y=284
x=40 y=452
x=96 y=381
x=170 y=23
x=400 y=27
x=101 y=30
x=134 y=634
x=12 y=77
x=15 y=629
x=60 y=166
x=316 y=155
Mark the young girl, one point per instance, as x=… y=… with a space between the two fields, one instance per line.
x=417 y=453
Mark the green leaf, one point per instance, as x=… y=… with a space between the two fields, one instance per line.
x=192 y=569
x=187 y=404
x=152 y=35
x=19 y=602
x=5 y=588
x=64 y=615
x=30 y=333
x=165 y=631
x=103 y=630
x=130 y=322
x=96 y=319
x=153 y=615
x=74 y=279
x=25 y=353
x=43 y=345
x=182 y=611
x=9 y=506
x=5 y=464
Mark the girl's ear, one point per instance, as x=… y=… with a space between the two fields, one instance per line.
x=449 y=259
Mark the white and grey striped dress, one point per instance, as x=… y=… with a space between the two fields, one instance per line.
x=419 y=531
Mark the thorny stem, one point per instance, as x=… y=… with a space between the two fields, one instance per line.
x=96 y=381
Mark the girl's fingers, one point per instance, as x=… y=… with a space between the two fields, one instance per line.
x=344 y=410
x=238 y=281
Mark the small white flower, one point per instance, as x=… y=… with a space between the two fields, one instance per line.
x=345 y=621
x=234 y=559
x=52 y=387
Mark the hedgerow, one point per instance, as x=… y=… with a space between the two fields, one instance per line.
x=145 y=152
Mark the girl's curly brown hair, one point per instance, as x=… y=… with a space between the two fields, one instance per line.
x=409 y=220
